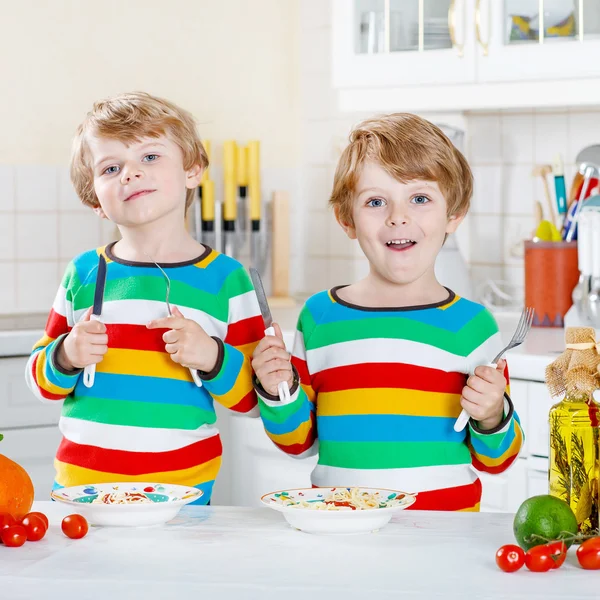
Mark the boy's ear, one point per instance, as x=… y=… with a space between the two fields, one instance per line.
x=193 y=177
x=98 y=210
x=349 y=229
x=453 y=222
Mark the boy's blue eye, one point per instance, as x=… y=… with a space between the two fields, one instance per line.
x=111 y=170
x=420 y=200
x=150 y=157
x=376 y=202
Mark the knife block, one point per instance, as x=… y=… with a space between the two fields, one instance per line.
x=280 y=251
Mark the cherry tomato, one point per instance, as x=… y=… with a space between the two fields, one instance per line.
x=41 y=515
x=588 y=554
x=74 y=526
x=35 y=527
x=510 y=558
x=14 y=536
x=539 y=559
x=558 y=552
x=6 y=520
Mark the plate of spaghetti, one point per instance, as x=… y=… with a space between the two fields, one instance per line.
x=127 y=504
x=338 y=509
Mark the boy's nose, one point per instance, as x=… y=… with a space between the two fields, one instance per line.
x=129 y=174
x=394 y=220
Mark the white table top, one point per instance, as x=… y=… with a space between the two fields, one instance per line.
x=243 y=553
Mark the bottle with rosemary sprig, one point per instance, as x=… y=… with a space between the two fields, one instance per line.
x=575 y=426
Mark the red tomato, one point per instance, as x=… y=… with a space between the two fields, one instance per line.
x=539 y=559
x=74 y=526
x=14 y=536
x=6 y=520
x=34 y=526
x=588 y=554
x=558 y=552
x=510 y=558
x=42 y=516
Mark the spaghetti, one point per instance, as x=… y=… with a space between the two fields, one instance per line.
x=123 y=498
x=344 y=499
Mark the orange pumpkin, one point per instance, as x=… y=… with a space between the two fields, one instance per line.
x=16 y=489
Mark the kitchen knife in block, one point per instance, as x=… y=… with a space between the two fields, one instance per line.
x=230 y=198
x=255 y=202
x=208 y=213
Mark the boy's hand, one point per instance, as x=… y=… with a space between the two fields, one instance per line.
x=86 y=344
x=271 y=362
x=187 y=343
x=483 y=396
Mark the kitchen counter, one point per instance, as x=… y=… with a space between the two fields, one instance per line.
x=241 y=553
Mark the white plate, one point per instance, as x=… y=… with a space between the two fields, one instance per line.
x=335 y=521
x=165 y=502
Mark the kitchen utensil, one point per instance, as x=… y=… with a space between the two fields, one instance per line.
x=161 y=503
x=199 y=206
x=283 y=388
x=290 y=504
x=193 y=372
x=89 y=373
x=230 y=198
x=581 y=291
x=242 y=183
x=255 y=203
x=547 y=232
x=538 y=213
x=587 y=169
x=543 y=171
x=521 y=331
x=559 y=187
x=208 y=213
x=574 y=189
x=594 y=295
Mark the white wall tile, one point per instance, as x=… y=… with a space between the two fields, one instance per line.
x=315 y=14
x=315 y=234
x=583 y=131
x=317 y=142
x=7 y=187
x=37 y=283
x=519 y=190
x=515 y=275
x=484 y=139
x=77 y=233
x=317 y=186
x=318 y=100
x=67 y=198
x=487 y=192
x=339 y=244
x=486 y=239
x=516 y=230
x=551 y=137
x=8 y=295
x=517 y=138
x=36 y=187
x=480 y=274
x=316 y=275
x=108 y=232
x=7 y=236
x=37 y=236
x=315 y=51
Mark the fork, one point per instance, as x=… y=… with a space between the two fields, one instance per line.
x=193 y=372
x=523 y=327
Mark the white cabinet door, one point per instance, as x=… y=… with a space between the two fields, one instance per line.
x=540 y=404
x=519 y=394
x=511 y=48
x=18 y=406
x=34 y=450
x=391 y=43
x=506 y=491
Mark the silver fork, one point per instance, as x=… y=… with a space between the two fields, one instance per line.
x=193 y=372
x=523 y=327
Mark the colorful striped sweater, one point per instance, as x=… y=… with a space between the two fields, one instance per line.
x=144 y=419
x=379 y=393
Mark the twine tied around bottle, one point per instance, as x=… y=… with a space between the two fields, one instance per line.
x=576 y=372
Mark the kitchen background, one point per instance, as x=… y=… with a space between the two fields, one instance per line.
x=263 y=70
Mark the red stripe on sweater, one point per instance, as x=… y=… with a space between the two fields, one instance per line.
x=56 y=324
x=302 y=369
x=494 y=470
x=454 y=498
x=137 y=463
x=297 y=449
x=135 y=337
x=47 y=395
x=247 y=403
x=386 y=375
x=245 y=331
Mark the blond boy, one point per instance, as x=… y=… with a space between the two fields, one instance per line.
x=383 y=366
x=137 y=160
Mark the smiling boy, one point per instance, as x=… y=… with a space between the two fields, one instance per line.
x=137 y=160
x=382 y=367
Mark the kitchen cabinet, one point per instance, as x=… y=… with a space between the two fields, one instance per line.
x=438 y=55
x=31 y=434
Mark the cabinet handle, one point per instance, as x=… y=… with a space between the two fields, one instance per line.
x=452 y=29
x=484 y=45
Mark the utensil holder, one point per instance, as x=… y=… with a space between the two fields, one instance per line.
x=551 y=273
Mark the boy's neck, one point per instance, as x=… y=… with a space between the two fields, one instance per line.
x=162 y=242
x=377 y=292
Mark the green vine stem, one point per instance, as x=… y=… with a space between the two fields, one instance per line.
x=564 y=536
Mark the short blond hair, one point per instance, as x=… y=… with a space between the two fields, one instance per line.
x=128 y=118
x=407 y=147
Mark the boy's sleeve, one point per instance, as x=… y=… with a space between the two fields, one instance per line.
x=494 y=450
x=46 y=379
x=292 y=426
x=230 y=382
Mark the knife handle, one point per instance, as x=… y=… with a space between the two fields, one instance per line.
x=464 y=416
x=196 y=377
x=283 y=389
x=89 y=373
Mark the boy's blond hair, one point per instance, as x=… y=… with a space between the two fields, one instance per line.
x=407 y=147
x=129 y=118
